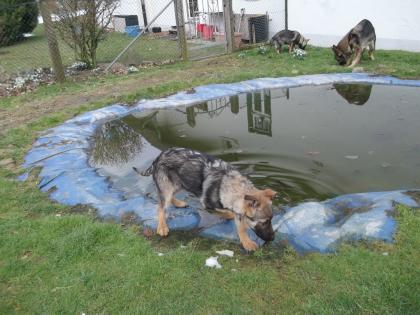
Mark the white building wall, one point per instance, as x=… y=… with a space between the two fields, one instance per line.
x=130 y=7
x=153 y=7
x=275 y=9
x=167 y=19
x=325 y=22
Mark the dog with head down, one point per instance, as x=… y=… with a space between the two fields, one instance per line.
x=358 y=39
x=220 y=187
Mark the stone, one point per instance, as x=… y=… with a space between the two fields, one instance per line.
x=6 y=162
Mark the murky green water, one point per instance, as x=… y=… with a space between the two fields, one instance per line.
x=306 y=142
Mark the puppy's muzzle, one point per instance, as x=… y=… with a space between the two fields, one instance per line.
x=264 y=231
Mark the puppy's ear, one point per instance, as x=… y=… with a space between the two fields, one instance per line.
x=251 y=201
x=269 y=193
x=334 y=48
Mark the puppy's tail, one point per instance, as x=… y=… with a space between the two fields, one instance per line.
x=147 y=172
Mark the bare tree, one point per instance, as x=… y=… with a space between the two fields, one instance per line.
x=82 y=24
x=115 y=142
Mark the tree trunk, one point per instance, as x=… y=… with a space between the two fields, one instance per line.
x=52 y=41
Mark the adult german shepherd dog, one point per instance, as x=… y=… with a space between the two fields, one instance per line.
x=360 y=37
x=291 y=38
x=219 y=186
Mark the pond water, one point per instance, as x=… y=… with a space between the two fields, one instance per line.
x=307 y=143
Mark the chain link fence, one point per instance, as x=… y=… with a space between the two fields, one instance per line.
x=25 y=49
x=205 y=27
x=256 y=21
x=155 y=36
x=29 y=51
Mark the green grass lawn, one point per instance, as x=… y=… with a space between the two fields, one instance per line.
x=55 y=261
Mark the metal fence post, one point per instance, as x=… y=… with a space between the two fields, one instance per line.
x=180 y=28
x=229 y=26
x=286 y=15
x=44 y=6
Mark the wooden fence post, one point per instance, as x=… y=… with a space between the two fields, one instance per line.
x=229 y=26
x=180 y=29
x=55 y=55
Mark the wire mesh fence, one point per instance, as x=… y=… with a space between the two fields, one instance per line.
x=155 y=22
x=205 y=28
x=24 y=45
x=258 y=20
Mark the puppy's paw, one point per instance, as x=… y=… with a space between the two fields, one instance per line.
x=179 y=203
x=162 y=229
x=249 y=245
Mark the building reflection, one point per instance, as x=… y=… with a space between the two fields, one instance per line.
x=259 y=112
x=258 y=105
x=357 y=94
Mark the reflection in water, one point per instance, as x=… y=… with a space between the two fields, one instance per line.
x=234 y=104
x=259 y=112
x=357 y=94
x=300 y=146
x=114 y=142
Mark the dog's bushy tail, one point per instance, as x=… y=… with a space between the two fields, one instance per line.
x=147 y=172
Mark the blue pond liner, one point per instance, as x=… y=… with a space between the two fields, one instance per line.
x=62 y=154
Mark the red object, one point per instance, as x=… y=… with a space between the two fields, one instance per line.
x=200 y=27
x=208 y=32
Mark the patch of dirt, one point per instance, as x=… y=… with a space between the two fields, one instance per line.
x=81 y=209
x=128 y=219
x=32 y=109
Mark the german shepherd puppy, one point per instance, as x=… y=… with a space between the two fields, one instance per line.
x=359 y=38
x=291 y=38
x=220 y=188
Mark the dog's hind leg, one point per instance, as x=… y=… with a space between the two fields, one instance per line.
x=162 y=228
x=166 y=190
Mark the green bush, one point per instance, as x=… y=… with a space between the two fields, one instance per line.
x=16 y=18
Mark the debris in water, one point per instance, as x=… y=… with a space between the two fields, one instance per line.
x=385 y=164
x=225 y=252
x=313 y=152
x=212 y=262
x=160 y=254
x=352 y=157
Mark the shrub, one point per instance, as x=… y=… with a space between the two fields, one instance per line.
x=16 y=18
x=82 y=25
